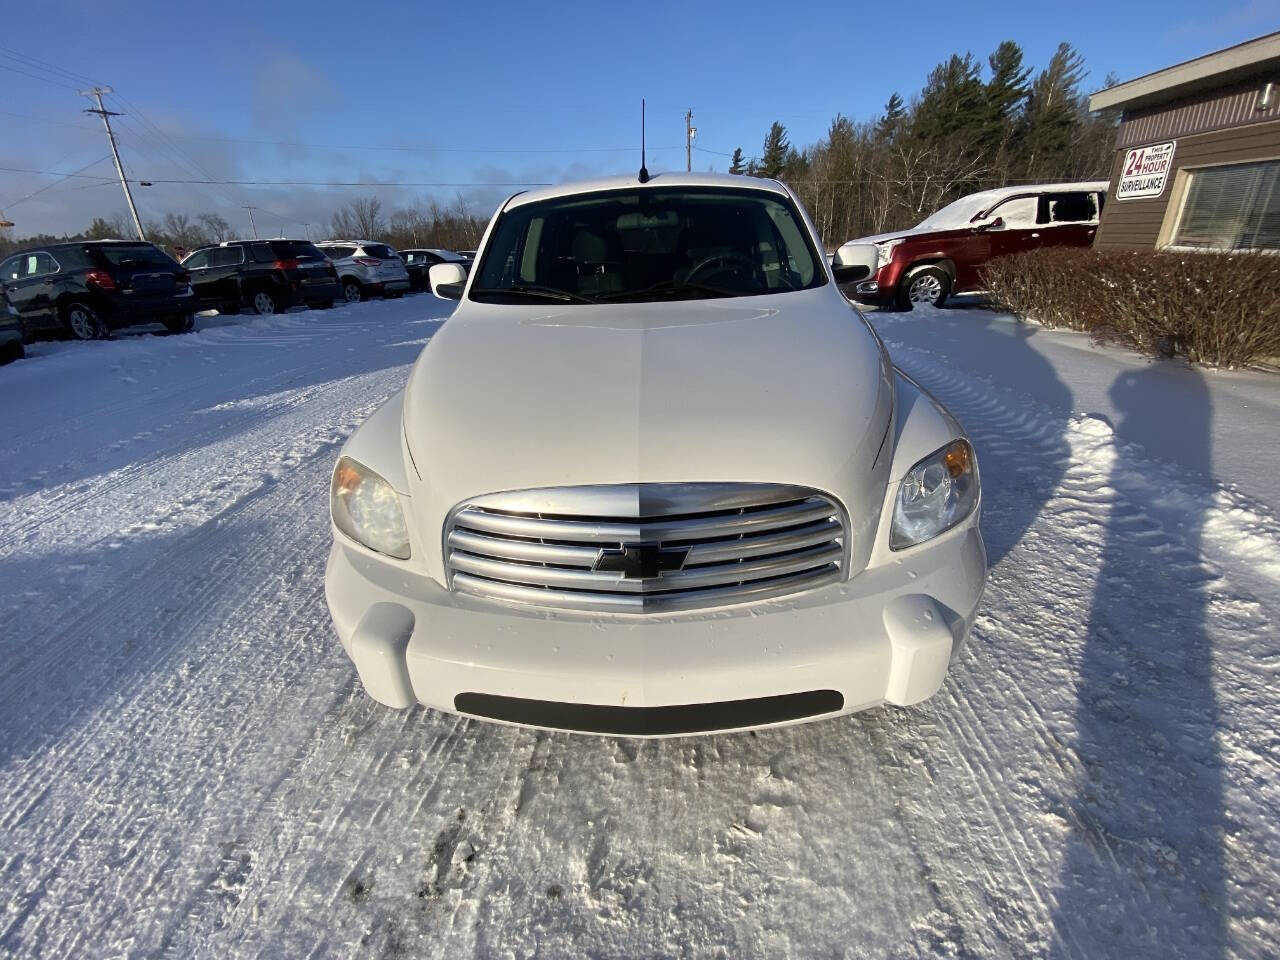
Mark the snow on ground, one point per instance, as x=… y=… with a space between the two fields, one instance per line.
x=188 y=766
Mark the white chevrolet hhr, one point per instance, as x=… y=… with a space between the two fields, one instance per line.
x=655 y=476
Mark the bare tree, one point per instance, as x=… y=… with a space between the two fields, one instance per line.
x=360 y=219
x=215 y=226
x=183 y=232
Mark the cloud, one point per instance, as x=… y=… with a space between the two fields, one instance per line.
x=286 y=87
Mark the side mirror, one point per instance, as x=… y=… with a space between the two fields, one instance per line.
x=447 y=280
x=854 y=261
x=995 y=224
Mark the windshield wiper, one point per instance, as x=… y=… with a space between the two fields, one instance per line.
x=670 y=286
x=536 y=290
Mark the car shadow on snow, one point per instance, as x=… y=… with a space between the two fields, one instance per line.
x=1143 y=868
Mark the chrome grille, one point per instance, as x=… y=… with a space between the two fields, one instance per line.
x=645 y=548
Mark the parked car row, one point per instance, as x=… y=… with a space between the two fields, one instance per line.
x=89 y=288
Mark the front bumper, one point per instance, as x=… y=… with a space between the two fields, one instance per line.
x=886 y=636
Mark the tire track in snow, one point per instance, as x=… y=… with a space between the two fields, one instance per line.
x=26 y=668
x=1084 y=512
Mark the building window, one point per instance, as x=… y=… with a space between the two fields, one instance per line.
x=1233 y=207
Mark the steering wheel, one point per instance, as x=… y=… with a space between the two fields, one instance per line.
x=719 y=260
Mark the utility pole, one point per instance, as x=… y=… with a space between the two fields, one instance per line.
x=96 y=93
x=690 y=132
x=252 y=225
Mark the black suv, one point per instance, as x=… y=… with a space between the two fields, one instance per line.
x=267 y=275
x=92 y=287
x=420 y=261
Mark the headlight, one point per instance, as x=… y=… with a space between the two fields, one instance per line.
x=884 y=252
x=937 y=493
x=367 y=509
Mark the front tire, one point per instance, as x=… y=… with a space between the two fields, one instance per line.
x=183 y=324
x=11 y=351
x=352 y=292
x=925 y=287
x=83 y=322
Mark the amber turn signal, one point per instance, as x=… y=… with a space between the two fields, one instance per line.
x=956 y=460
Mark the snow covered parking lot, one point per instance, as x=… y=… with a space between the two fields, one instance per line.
x=189 y=768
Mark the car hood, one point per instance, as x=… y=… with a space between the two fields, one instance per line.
x=791 y=388
x=903 y=234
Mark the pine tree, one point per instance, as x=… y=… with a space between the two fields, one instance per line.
x=1006 y=96
x=1054 y=114
x=953 y=99
x=738 y=165
x=1007 y=89
x=776 y=152
x=895 y=116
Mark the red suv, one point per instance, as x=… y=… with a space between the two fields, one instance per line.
x=941 y=255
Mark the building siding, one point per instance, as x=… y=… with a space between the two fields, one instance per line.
x=1135 y=224
x=1232 y=106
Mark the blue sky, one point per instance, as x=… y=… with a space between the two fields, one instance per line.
x=481 y=93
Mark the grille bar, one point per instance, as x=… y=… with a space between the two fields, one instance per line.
x=650 y=529
x=716 y=543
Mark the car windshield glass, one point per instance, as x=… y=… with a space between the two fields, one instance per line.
x=379 y=250
x=959 y=213
x=130 y=255
x=296 y=250
x=650 y=244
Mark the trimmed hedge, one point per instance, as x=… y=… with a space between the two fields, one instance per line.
x=1214 y=308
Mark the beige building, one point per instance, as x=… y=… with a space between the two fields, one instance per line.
x=1197 y=162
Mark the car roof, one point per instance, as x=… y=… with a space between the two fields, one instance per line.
x=345 y=243
x=656 y=181
x=229 y=243
x=1003 y=193
x=68 y=244
x=439 y=251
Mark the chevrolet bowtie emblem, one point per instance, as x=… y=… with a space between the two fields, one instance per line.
x=641 y=562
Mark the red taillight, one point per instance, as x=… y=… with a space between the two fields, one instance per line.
x=101 y=278
x=368 y=261
x=286 y=264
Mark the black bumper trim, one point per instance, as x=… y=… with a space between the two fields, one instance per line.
x=651 y=721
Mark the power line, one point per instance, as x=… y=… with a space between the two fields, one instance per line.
x=299 y=183
x=50 y=186
x=355 y=146
x=33 y=76
x=28 y=60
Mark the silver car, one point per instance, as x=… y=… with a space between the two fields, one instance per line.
x=367 y=269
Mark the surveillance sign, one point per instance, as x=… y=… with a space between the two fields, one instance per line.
x=1145 y=171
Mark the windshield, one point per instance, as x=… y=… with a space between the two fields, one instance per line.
x=959 y=213
x=646 y=245
x=379 y=250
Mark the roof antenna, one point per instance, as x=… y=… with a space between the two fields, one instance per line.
x=644 y=172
